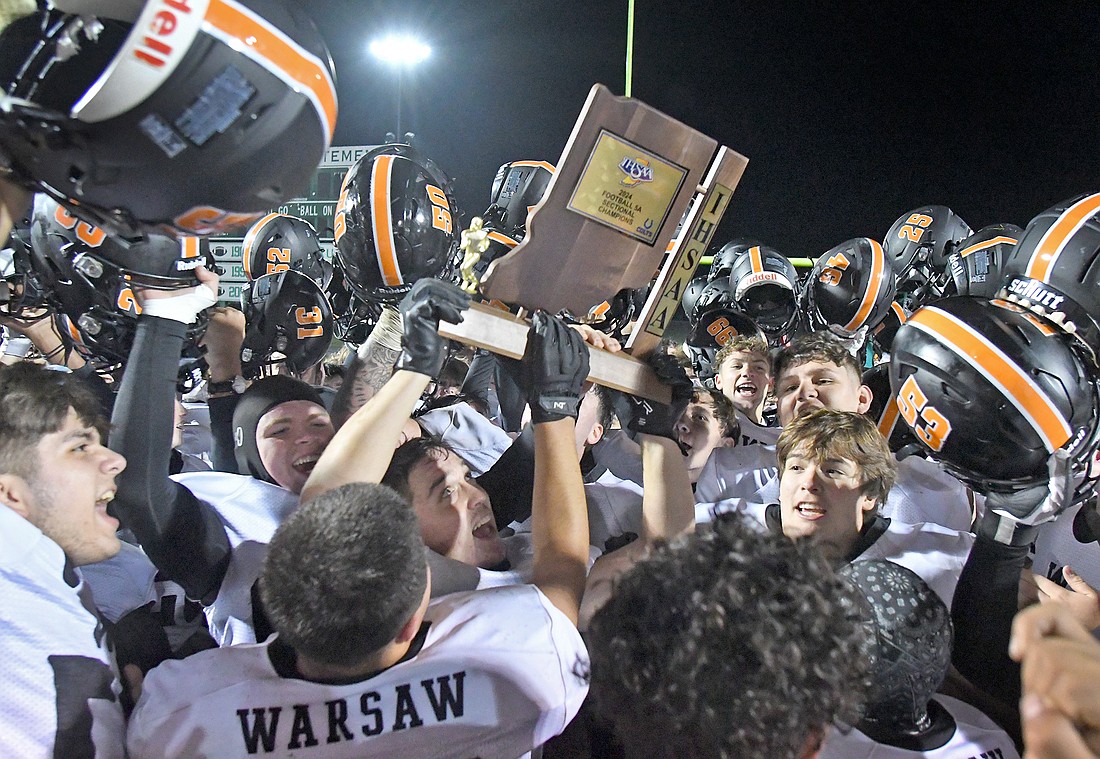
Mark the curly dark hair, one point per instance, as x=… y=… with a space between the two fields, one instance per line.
x=727 y=643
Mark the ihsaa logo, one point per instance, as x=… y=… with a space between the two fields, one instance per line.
x=637 y=170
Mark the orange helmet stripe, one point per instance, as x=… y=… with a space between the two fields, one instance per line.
x=1054 y=240
x=548 y=166
x=190 y=247
x=384 y=247
x=250 y=242
x=870 y=295
x=254 y=37
x=1035 y=405
x=889 y=417
x=502 y=239
x=756 y=260
x=987 y=244
x=899 y=311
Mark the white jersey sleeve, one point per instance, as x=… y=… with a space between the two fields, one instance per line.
x=250 y=509
x=497 y=674
x=122 y=583
x=1057 y=548
x=935 y=553
x=976 y=737
x=473 y=437
x=924 y=492
x=734 y=476
x=60 y=685
x=614 y=508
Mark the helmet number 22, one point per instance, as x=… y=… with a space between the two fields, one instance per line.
x=927 y=423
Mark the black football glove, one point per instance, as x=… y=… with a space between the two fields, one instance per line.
x=1014 y=518
x=555 y=368
x=653 y=417
x=422 y=349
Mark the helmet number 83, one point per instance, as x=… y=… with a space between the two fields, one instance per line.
x=927 y=423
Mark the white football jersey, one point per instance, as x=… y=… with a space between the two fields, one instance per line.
x=936 y=553
x=923 y=492
x=753 y=433
x=614 y=508
x=497 y=675
x=60 y=684
x=122 y=583
x=976 y=737
x=1056 y=548
x=251 y=510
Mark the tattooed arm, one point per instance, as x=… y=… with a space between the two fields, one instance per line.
x=371 y=368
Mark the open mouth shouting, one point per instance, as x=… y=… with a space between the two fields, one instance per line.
x=305 y=464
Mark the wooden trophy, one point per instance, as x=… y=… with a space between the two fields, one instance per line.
x=627 y=176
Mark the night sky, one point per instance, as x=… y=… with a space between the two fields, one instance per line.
x=850 y=113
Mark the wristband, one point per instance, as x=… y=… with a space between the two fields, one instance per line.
x=184 y=308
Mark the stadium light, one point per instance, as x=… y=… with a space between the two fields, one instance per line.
x=400 y=50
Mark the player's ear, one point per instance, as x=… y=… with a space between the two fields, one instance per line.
x=726 y=442
x=865 y=398
x=15 y=493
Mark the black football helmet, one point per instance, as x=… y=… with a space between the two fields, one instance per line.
x=165 y=116
x=710 y=332
x=348 y=312
x=396 y=222
x=612 y=316
x=887 y=329
x=717 y=293
x=278 y=242
x=991 y=390
x=884 y=412
x=89 y=277
x=108 y=263
x=765 y=288
x=919 y=243
x=850 y=288
x=517 y=188
x=721 y=263
x=691 y=295
x=1054 y=270
x=288 y=319
x=976 y=262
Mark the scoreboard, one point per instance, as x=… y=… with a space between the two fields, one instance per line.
x=317 y=206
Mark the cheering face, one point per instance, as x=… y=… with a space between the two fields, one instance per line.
x=823 y=500
x=699 y=432
x=819 y=384
x=744 y=378
x=456 y=518
x=290 y=438
x=68 y=495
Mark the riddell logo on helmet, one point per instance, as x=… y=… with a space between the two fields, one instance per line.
x=761 y=277
x=1034 y=291
x=156 y=47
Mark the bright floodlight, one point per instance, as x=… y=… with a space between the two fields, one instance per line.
x=400 y=49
